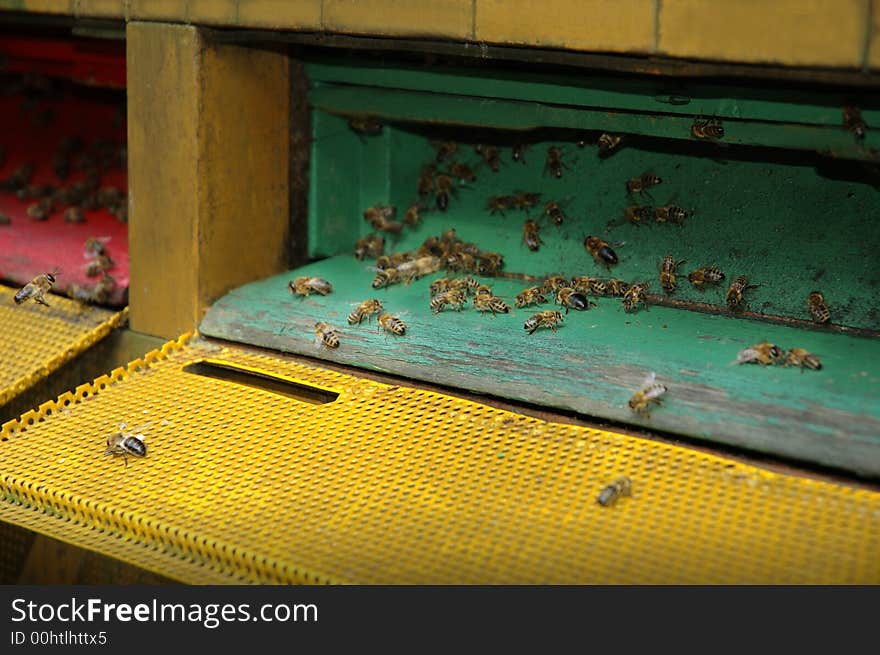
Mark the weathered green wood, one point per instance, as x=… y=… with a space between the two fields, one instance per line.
x=442 y=109
x=653 y=95
x=592 y=364
x=789 y=226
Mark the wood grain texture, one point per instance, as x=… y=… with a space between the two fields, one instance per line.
x=592 y=364
x=208 y=139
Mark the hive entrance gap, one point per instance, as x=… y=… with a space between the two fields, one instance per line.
x=231 y=373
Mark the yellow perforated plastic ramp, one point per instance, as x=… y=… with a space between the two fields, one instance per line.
x=37 y=340
x=396 y=485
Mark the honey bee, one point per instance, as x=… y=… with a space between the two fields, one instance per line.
x=20 y=177
x=571 y=299
x=466 y=284
x=587 y=284
x=416 y=268
x=489 y=263
x=667 y=273
x=554 y=162
x=98 y=265
x=642 y=183
x=490 y=155
x=518 y=153
x=462 y=172
x=705 y=275
x=35 y=289
x=734 y=296
x=94 y=246
x=365 y=125
x=443 y=188
x=326 y=335
x=498 y=204
x=74 y=215
x=426 y=179
x=413 y=215
x=608 y=144
x=4 y=219
x=525 y=199
x=802 y=358
x=385 y=277
x=763 y=353
x=41 y=209
x=670 y=213
x=486 y=302
x=393 y=260
x=372 y=246
x=453 y=298
x=530 y=235
x=483 y=290
x=818 y=309
x=707 y=129
x=554 y=283
x=852 y=120
x=306 y=285
x=649 y=393
x=601 y=251
x=638 y=214
x=553 y=211
x=364 y=310
x=381 y=218
x=530 y=296
x=635 y=296
x=392 y=324
x=616 y=287
x=549 y=319
x=125 y=444
x=445 y=149
x=109 y=197
x=104 y=287
x=622 y=486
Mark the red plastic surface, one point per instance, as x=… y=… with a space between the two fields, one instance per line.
x=87 y=61
x=29 y=247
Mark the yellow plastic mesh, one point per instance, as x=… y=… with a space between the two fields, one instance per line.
x=397 y=485
x=37 y=340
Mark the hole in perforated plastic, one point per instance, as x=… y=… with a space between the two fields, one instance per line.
x=240 y=376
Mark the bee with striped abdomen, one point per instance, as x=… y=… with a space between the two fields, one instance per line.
x=549 y=319
x=819 y=311
x=326 y=335
x=705 y=275
x=622 y=486
x=364 y=310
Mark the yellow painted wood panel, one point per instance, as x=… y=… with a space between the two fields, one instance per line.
x=208 y=172
x=163 y=105
x=598 y=25
x=789 y=32
x=100 y=8
x=243 y=165
x=292 y=14
x=42 y=6
x=213 y=12
x=168 y=10
x=442 y=18
x=872 y=59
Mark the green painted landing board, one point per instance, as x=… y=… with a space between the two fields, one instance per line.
x=592 y=364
